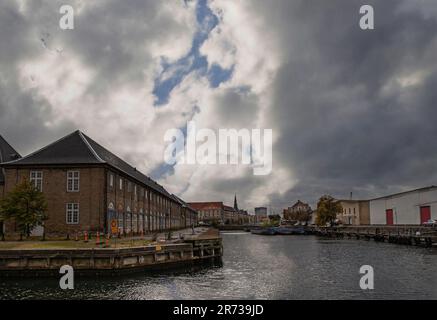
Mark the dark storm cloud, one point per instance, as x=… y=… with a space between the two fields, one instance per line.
x=353 y=110
x=109 y=39
x=345 y=121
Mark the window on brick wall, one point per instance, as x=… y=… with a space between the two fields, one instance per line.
x=111 y=180
x=36 y=179
x=129 y=187
x=72 y=213
x=73 y=178
x=121 y=184
x=135 y=192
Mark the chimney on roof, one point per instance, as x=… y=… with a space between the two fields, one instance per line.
x=351 y=196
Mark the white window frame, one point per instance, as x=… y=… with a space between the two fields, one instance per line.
x=70 y=210
x=121 y=184
x=35 y=178
x=73 y=179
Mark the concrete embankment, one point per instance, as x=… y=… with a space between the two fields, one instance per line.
x=193 y=249
x=399 y=234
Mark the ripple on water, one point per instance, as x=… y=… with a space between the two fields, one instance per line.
x=257 y=267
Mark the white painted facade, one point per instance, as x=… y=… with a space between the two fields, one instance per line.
x=406 y=206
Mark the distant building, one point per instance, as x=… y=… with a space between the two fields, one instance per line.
x=261 y=214
x=261 y=211
x=230 y=215
x=355 y=212
x=299 y=206
x=217 y=212
x=299 y=211
x=411 y=207
x=209 y=212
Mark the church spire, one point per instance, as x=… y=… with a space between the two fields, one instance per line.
x=235 y=202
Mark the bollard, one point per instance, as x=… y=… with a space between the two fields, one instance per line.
x=97 y=238
x=76 y=238
x=85 y=235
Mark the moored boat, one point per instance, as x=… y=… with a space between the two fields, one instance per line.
x=264 y=231
x=290 y=230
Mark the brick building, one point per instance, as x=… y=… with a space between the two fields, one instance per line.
x=189 y=214
x=219 y=213
x=88 y=188
x=300 y=211
x=209 y=212
x=7 y=153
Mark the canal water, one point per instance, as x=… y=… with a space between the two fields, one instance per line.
x=265 y=267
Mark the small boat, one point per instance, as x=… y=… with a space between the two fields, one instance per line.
x=290 y=230
x=264 y=231
x=284 y=230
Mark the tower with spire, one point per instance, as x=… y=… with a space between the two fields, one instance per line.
x=235 y=203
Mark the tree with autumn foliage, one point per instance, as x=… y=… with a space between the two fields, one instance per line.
x=327 y=209
x=25 y=205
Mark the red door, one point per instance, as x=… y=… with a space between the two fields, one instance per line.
x=425 y=214
x=389 y=216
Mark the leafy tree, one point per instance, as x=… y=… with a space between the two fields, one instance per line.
x=273 y=221
x=26 y=205
x=327 y=209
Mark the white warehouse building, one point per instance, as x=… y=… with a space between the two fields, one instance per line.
x=411 y=207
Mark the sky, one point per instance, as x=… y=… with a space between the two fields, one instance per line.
x=351 y=110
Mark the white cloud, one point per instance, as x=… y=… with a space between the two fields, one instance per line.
x=239 y=40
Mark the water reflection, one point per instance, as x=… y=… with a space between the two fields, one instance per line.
x=263 y=267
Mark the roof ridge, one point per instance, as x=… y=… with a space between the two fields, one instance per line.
x=85 y=140
x=154 y=184
x=41 y=149
x=404 y=192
